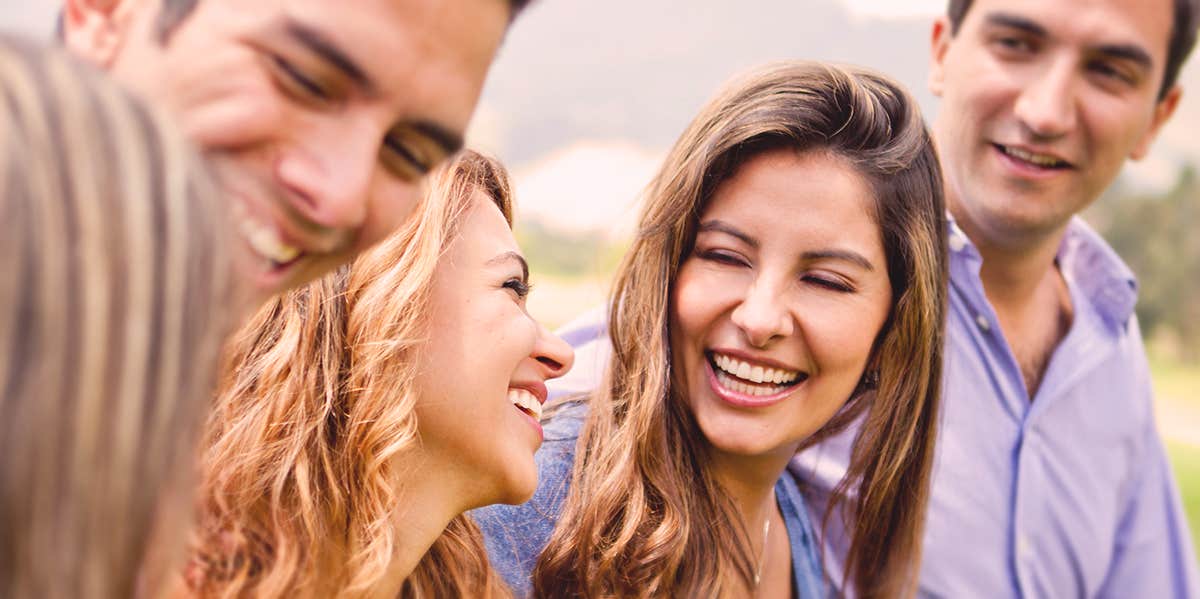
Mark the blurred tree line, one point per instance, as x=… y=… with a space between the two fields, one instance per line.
x=578 y=255
x=1159 y=237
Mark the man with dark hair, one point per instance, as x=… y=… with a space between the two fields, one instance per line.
x=1051 y=479
x=336 y=109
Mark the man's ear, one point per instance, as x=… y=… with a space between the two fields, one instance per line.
x=1162 y=113
x=938 y=44
x=95 y=29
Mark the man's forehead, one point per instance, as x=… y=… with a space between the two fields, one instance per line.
x=1148 y=22
x=431 y=56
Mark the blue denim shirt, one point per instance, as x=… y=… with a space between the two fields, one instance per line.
x=1068 y=495
x=516 y=535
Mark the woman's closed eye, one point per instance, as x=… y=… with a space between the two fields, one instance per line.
x=725 y=257
x=829 y=282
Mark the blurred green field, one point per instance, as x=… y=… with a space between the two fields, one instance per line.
x=1177 y=393
x=1186 y=460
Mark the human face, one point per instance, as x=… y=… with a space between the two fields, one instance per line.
x=481 y=376
x=787 y=282
x=334 y=111
x=1042 y=102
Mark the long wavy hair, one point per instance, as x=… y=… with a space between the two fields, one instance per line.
x=644 y=515
x=299 y=495
x=114 y=295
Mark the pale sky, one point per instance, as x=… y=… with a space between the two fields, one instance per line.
x=896 y=8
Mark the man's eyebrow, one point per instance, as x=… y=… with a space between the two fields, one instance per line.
x=509 y=257
x=450 y=141
x=1131 y=52
x=327 y=49
x=1001 y=19
x=728 y=229
x=844 y=255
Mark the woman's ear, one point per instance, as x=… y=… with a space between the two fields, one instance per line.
x=95 y=29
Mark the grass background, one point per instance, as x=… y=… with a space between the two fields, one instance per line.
x=1186 y=460
x=1177 y=390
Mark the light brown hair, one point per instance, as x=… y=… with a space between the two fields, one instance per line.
x=644 y=516
x=300 y=494
x=114 y=287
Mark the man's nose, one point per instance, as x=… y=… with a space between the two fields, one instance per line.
x=329 y=178
x=1046 y=105
x=761 y=314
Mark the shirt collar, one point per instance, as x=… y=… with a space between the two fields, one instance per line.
x=1085 y=259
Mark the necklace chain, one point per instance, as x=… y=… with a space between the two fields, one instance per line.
x=762 y=559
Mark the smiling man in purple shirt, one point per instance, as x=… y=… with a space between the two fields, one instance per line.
x=1051 y=479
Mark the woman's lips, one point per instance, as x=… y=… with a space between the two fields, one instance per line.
x=746 y=394
x=529 y=405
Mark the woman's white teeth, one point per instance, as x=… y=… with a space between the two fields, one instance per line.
x=526 y=401
x=264 y=240
x=736 y=386
x=757 y=374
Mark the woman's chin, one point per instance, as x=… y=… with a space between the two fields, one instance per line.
x=516 y=488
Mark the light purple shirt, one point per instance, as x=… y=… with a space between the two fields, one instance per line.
x=1068 y=495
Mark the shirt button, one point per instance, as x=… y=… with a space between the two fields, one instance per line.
x=1022 y=547
x=983 y=323
x=957 y=243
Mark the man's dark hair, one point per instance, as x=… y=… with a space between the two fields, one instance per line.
x=1183 y=36
x=175 y=11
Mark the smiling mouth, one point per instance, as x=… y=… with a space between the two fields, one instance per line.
x=526 y=402
x=754 y=380
x=1034 y=159
x=264 y=240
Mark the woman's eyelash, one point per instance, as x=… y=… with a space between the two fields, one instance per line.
x=829 y=284
x=521 y=288
x=721 y=257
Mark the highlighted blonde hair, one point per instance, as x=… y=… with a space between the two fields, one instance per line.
x=114 y=288
x=300 y=489
x=644 y=517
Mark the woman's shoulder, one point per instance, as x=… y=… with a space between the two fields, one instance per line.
x=516 y=534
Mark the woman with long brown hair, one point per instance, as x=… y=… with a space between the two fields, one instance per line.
x=116 y=289
x=787 y=277
x=362 y=414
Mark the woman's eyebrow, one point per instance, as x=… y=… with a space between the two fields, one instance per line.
x=511 y=257
x=720 y=226
x=843 y=255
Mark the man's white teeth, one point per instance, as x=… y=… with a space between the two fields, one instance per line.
x=758 y=374
x=264 y=240
x=1038 y=159
x=526 y=401
x=736 y=386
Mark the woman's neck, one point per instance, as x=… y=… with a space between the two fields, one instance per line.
x=750 y=483
x=431 y=498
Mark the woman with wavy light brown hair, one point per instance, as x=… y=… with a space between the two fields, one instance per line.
x=115 y=292
x=362 y=414
x=787 y=277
